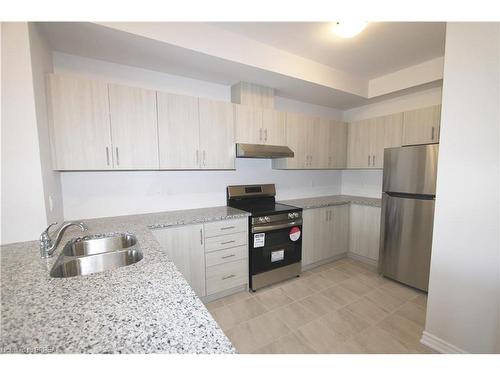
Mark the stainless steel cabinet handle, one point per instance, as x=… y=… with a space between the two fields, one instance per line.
x=228 y=256
x=369 y=160
x=201 y=236
x=226 y=242
x=117 y=157
x=204 y=158
x=228 y=277
x=226 y=228
x=107 y=155
x=330 y=214
x=373 y=160
x=432 y=133
x=260 y=134
x=265 y=135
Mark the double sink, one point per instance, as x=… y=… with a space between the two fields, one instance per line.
x=96 y=253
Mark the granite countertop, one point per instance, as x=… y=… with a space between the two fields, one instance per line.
x=142 y=308
x=332 y=200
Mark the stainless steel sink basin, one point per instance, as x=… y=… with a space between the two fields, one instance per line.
x=96 y=253
x=75 y=266
x=100 y=243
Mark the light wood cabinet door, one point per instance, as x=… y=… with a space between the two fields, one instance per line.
x=248 y=124
x=217 y=144
x=337 y=149
x=324 y=248
x=273 y=124
x=297 y=138
x=320 y=143
x=134 y=127
x=388 y=133
x=79 y=123
x=361 y=135
x=184 y=246
x=311 y=236
x=364 y=232
x=339 y=233
x=421 y=126
x=178 y=131
x=325 y=233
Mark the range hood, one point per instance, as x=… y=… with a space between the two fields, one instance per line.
x=248 y=150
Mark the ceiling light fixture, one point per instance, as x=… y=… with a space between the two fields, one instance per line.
x=348 y=29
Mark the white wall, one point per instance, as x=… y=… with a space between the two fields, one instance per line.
x=366 y=183
x=463 y=303
x=96 y=194
x=23 y=207
x=41 y=59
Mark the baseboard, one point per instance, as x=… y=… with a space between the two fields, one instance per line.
x=224 y=293
x=439 y=345
x=368 y=261
x=324 y=261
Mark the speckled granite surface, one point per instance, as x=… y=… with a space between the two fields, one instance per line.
x=142 y=308
x=332 y=200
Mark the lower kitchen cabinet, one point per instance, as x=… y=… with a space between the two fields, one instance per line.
x=212 y=257
x=364 y=232
x=326 y=234
x=185 y=245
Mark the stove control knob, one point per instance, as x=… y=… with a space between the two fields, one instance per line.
x=261 y=220
x=295 y=214
x=267 y=219
x=290 y=215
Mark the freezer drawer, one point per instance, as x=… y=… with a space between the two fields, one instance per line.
x=406 y=239
x=410 y=169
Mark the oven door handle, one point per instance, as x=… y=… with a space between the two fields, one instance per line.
x=269 y=227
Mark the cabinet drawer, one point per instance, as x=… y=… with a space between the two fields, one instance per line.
x=226 y=276
x=220 y=228
x=226 y=255
x=224 y=242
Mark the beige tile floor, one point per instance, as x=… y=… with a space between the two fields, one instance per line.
x=340 y=307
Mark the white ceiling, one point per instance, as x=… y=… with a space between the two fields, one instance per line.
x=381 y=48
x=369 y=54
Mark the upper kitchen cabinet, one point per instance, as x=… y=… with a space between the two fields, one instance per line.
x=298 y=138
x=368 y=138
x=217 y=144
x=273 y=125
x=178 y=131
x=421 y=126
x=80 y=123
x=388 y=133
x=134 y=128
x=248 y=121
x=360 y=139
x=333 y=138
x=259 y=125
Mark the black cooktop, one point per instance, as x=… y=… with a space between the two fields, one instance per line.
x=259 y=206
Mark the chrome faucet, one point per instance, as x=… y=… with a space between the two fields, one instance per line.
x=48 y=245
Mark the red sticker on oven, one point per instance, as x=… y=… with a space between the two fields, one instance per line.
x=294 y=233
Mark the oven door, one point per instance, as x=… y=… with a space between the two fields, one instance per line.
x=275 y=245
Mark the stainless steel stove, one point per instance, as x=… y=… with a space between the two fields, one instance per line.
x=275 y=234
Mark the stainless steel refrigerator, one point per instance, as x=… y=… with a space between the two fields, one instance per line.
x=409 y=188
